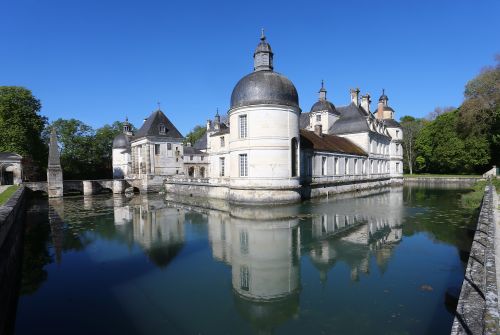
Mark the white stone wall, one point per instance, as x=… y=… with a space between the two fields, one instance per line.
x=270 y=130
x=165 y=163
x=121 y=163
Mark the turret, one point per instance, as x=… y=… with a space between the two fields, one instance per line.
x=263 y=55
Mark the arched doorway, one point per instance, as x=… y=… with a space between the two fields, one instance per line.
x=191 y=171
x=7 y=174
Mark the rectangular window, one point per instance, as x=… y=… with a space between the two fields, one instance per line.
x=355 y=166
x=169 y=146
x=244 y=278
x=222 y=142
x=397 y=167
x=318 y=117
x=221 y=166
x=346 y=166
x=323 y=166
x=336 y=166
x=157 y=149
x=397 y=133
x=244 y=242
x=243 y=165
x=243 y=126
x=191 y=157
x=201 y=157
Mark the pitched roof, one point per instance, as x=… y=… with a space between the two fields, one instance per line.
x=201 y=144
x=193 y=151
x=391 y=123
x=304 y=120
x=151 y=127
x=352 y=120
x=329 y=143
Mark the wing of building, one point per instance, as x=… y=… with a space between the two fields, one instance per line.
x=267 y=150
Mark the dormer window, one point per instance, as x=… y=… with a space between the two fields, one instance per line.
x=162 y=129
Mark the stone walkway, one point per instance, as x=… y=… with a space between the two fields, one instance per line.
x=497 y=240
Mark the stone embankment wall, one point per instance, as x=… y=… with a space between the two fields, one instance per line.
x=452 y=182
x=478 y=310
x=11 y=236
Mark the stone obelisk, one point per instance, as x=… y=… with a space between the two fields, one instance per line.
x=54 y=170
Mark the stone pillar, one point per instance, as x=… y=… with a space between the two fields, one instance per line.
x=55 y=186
x=88 y=189
x=119 y=186
x=147 y=157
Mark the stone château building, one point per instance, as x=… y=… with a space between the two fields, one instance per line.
x=267 y=150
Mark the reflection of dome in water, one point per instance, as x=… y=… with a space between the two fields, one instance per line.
x=161 y=254
x=264 y=316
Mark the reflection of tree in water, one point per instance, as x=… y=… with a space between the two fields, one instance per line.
x=36 y=248
x=427 y=207
x=267 y=315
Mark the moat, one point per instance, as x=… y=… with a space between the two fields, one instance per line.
x=390 y=261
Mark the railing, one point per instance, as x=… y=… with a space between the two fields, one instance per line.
x=349 y=177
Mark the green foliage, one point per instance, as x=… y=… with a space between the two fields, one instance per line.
x=442 y=150
x=473 y=199
x=195 y=134
x=6 y=194
x=85 y=153
x=411 y=130
x=21 y=127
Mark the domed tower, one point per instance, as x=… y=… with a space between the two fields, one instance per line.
x=264 y=134
x=323 y=112
x=121 y=152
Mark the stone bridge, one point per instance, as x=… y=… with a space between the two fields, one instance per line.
x=89 y=187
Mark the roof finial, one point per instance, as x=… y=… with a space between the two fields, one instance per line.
x=217 y=112
x=383 y=91
x=322 y=84
x=159 y=106
x=262 y=36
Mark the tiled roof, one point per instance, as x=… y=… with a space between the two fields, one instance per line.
x=151 y=127
x=329 y=143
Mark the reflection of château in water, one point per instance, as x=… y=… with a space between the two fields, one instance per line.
x=350 y=231
x=157 y=228
x=264 y=257
x=264 y=254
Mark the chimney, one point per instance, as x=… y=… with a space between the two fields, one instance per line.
x=318 y=130
x=217 y=120
x=355 y=96
x=365 y=102
x=188 y=144
x=209 y=125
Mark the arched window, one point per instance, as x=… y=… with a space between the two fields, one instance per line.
x=202 y=172
x=191 y=171
x=294 y=158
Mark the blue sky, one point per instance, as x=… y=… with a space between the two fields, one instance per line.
x=99 y=61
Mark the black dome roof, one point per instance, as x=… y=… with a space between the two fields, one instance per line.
x=264 y=87
x=121 y=142
x=322 y=105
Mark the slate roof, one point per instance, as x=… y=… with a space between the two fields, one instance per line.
x=201 y=144
x=151 y=127
x=193 y=151
x=9 y=156
x=304 y=120
x=391 y=123
x=352 y=120
x=329 y=143
x=323 y=105
x=222 y=131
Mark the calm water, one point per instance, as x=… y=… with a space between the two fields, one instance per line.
x=384 y=263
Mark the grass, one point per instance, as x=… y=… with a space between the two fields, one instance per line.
x=473 y=198
x=5 y=195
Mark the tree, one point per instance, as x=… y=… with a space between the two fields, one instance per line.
x=195 y=134
x=21 y=128
x=438 y=111
x=479 y=115
x=411 y=129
